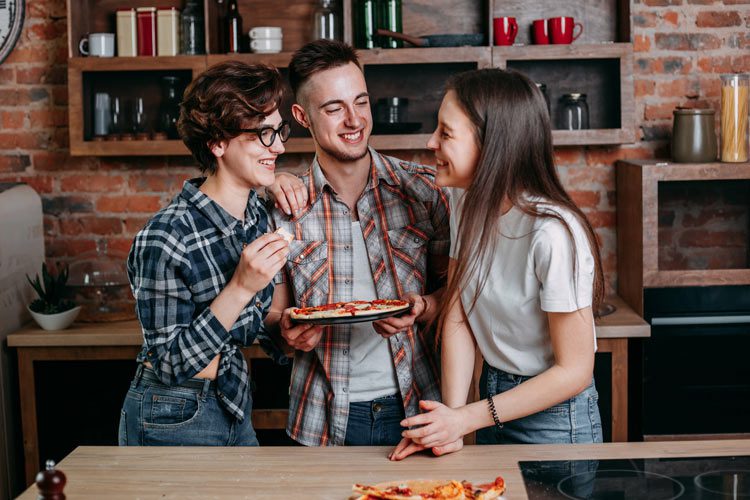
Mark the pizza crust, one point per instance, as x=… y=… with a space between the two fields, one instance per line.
x=289 y=237
x=420 y=489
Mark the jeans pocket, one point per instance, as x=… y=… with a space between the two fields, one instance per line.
x=560 y=409
x=122 y=432
x=170 y=408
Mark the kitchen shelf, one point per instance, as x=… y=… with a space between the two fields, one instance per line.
x=638 y=202
x=601 y=61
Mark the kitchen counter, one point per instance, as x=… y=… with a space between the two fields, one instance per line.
x=323 y=473
x=122 y=340
x=623 y=323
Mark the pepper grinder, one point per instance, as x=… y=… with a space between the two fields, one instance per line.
x=50 y=482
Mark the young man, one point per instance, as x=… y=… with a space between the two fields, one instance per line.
x=201 y=269
x=373 y=227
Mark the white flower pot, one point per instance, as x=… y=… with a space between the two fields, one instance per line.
x=55 y=321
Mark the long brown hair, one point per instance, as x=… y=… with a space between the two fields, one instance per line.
x=512 y=131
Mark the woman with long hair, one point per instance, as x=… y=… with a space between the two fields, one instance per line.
x=524 y=277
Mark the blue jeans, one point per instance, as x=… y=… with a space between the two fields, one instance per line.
x=375 y=423
x=155 y=414
x=576 y=420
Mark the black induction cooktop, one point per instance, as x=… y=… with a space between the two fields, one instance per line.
x=704 y=478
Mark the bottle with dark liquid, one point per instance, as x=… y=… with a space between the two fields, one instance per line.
x=233 y=28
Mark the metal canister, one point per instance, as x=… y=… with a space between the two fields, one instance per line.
x=146 y=17
x=127 y=33
x=693 y=136
x=168 y=31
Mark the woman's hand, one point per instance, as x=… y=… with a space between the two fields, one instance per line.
x=289 y=192
x=390 y=326
x=408 y=447
x=440 y=426
x=259 y=262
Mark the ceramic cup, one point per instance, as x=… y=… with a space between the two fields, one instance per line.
x=265 y=45
x=561 y=30
x=265 y=32
x=98 y=45
x=506 y=29
x=539 y=32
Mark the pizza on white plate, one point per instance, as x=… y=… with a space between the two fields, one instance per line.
x=355 y=308
x=422 y=489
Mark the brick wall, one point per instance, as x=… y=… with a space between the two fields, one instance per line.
x=96 y=204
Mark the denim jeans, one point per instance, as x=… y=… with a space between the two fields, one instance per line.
x=155 y=414
x=576 y=420
x=375 y=423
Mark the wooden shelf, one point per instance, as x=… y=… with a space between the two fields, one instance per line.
x=572 y=51
x=129 y=148
x=195 y=63
x=638 y=226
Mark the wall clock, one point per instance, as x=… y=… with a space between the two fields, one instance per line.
x=11 y=21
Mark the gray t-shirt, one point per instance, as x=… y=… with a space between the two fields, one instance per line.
x=530 y=274
x=372 y=374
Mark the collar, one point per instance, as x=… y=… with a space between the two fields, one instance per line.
x=223 y=220
x=381 y=168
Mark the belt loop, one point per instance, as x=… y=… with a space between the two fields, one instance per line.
x=206 y=385
x=138 y=375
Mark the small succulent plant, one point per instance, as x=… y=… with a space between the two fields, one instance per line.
x=52 y=291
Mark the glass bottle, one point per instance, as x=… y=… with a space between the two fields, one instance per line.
x=366 y=18
x=543 y=88
x=192 y=40
x=233 y=23
x=326 y=22
x=574 y=112
x=734 y=108
x=170 y=106
x=390 y=19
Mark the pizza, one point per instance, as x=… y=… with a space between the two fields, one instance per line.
x=430 y=489
x=285 y=234
x=350 y=309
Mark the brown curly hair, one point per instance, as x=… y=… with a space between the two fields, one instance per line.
x=223 y=99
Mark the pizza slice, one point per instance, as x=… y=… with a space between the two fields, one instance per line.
x=430 y=489
x=350 y=309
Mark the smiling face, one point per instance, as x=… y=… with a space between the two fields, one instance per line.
x=454 y=144
x=246 y=161
x=336 y=110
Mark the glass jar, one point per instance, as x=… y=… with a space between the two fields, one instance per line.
x=326 y=22
x=170 y=106
x=734 y=108
x=192 y=41
x=390 y=19
x=543 y=89
x=392 y=110
x=366 y=20
x=574 y=112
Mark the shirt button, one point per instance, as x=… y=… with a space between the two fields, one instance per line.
x=347 y=281
x=377 y=407
x=417 y=240
x=259 y=304
x=345 y=212
x=345 y=389
x=346 y=351
x=346 y=247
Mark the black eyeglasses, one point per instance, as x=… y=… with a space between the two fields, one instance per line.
x=268 y=134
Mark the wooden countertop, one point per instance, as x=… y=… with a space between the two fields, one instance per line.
x=322 y=473
x=622 y=323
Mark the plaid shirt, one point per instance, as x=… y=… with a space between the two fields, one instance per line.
x=177 y=265
x=403 y=216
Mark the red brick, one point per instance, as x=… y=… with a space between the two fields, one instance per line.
x=736 y=2
x=54 y=9
x=45 y=30
x=671 y=17
x=150 y=183
x=7 y=76
x=49 y=160
x=91 y=183
x=585 y=199
x=48 y=117
x=91 y=225
x=670 y=65
x=66 y=247
x=568 y=156
x=641 y=43
x=602 y=218
x=686 y=41
x=22 y=140
x=661 y=111
x=702 y=2
x=12 y=119
x=661 y=3
x=644 y=87
x=42 y=74
x=722 y=215
x=60 y=95
x=608 y=156
x=673 y=88
x=741 y=64
x=31 y=53
x=41 y=184
x=134 y=224
x=716 y=19
x=713 y=239
x=119 y=247
x=591 y=177
x=715 y=64
x=14 y=97
x=129 y=203
x=14 y=163
x=645 y=20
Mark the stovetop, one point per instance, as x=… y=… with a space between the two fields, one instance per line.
x=704 y=478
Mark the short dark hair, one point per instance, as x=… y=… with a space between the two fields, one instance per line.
x=223 y=99
x=317 y=56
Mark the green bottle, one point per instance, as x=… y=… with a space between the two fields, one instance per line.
x=366 y=22
x=390 y=19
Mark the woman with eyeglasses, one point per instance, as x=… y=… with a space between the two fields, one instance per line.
x=201 y=269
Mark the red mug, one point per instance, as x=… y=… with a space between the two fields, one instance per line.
x=561 y=30
x=539 y=32
x=506 y=29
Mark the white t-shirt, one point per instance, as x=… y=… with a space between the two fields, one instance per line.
x=372 y=373
x=530 y=273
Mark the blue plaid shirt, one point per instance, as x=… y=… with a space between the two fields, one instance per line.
x=177 y=265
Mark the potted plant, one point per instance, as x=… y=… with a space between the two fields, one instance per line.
x=52 y=310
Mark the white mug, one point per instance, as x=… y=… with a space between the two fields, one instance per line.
x=265 y=32
x=98 y=45
x=265 y=45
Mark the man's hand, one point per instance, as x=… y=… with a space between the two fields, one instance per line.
x=303 y=337
x=259 y=262
x=289 y=192
x=390 y=326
